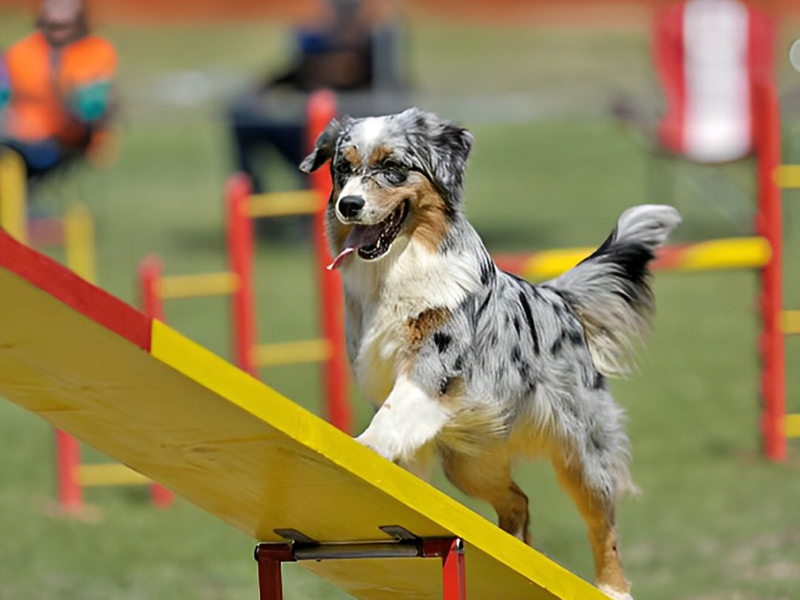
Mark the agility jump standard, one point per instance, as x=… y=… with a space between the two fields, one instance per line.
x=148 y=397
x=74 y=231
x=763 y=252
x=241 y=207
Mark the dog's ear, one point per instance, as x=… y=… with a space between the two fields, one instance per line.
x=324 y=147
x=452 y=145
x=449 y=147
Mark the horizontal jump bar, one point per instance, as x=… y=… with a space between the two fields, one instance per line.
x=790 y=322
x=730 y=253
x=303 y=202
x=110 y=474
x=791 y=426
x=197 y=285
x=788 y=176
x=288 y=353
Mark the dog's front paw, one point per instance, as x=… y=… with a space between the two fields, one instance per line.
x=614 y=594
x=364 y=440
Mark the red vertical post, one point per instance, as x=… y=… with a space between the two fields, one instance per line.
x=454 y=581
x=269 y=558
x=451 y=553
x=769 y=225
x=68 y=458
x=240 y=256
x=150 y=271
x=321 y=109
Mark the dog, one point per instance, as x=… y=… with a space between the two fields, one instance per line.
x=470 y=363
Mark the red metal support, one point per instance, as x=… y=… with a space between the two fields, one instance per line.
x=240 y=256
x=150 y=271
x=269 y=558
x=769 y=225
x=320 y=110
x=451 y=551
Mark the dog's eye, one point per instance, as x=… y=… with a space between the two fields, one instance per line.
x=394 y=172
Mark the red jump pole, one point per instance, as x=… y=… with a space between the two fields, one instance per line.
x=150 y=270
x=68 y=458
x=320 y=110
x=769 y=225
x=240 y=256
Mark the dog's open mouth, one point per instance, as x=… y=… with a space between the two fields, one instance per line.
x=373 y=241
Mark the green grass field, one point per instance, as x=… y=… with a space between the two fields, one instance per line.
x=714 y=521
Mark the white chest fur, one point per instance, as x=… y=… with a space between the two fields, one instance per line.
x=383 y=296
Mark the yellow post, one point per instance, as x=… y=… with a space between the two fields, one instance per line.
x=79 y=241
x=13 y=190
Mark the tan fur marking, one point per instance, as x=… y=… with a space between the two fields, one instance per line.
x=419 y=328
x=352 y=155
x=427 y=216
x=379 y=154
x=602 y=530
x=487 y=476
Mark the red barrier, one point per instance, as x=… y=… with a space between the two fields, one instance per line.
x=321 y=109
x=68 y=458
x=150 y=270
x=240 y=256
x=769 y=225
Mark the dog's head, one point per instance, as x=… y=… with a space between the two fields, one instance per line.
x=399 y=176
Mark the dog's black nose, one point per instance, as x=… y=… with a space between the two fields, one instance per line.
x=350 y=206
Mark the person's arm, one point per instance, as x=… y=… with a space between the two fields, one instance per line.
x=88 y=73
x=5 y=82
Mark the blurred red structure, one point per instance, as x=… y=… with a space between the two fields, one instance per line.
x=592 y=13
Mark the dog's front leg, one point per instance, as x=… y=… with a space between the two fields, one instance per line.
x=408 y=419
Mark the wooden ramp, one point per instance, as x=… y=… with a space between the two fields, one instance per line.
x=155 y=401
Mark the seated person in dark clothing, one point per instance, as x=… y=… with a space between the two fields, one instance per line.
x=55 y=87
x=339 y=55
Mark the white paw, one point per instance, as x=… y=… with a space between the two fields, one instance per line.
x=614 y=594
x=364 y=441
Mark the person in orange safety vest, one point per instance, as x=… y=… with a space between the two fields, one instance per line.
x=56 y=89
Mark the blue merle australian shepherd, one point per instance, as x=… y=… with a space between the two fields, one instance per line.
x=470 y=363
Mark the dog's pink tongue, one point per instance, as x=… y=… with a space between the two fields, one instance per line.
x=359 y=236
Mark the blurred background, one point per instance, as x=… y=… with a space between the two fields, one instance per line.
x=568 y=109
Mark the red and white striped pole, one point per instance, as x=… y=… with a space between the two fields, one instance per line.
x=320 y=110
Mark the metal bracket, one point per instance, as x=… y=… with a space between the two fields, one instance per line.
x=270 y=556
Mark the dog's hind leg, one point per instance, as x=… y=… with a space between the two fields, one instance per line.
x=487 y=476
x=597 y=509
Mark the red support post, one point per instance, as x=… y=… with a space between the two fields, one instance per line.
x=240 y=256
x=68 y=458
x=769 y=225
x=321 y=109
x=451 y=551
x=269 y=558
x=150 y=271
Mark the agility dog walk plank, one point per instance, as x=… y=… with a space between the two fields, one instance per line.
x=155 y=401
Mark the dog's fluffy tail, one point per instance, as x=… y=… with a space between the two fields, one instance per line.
x=610 y=290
